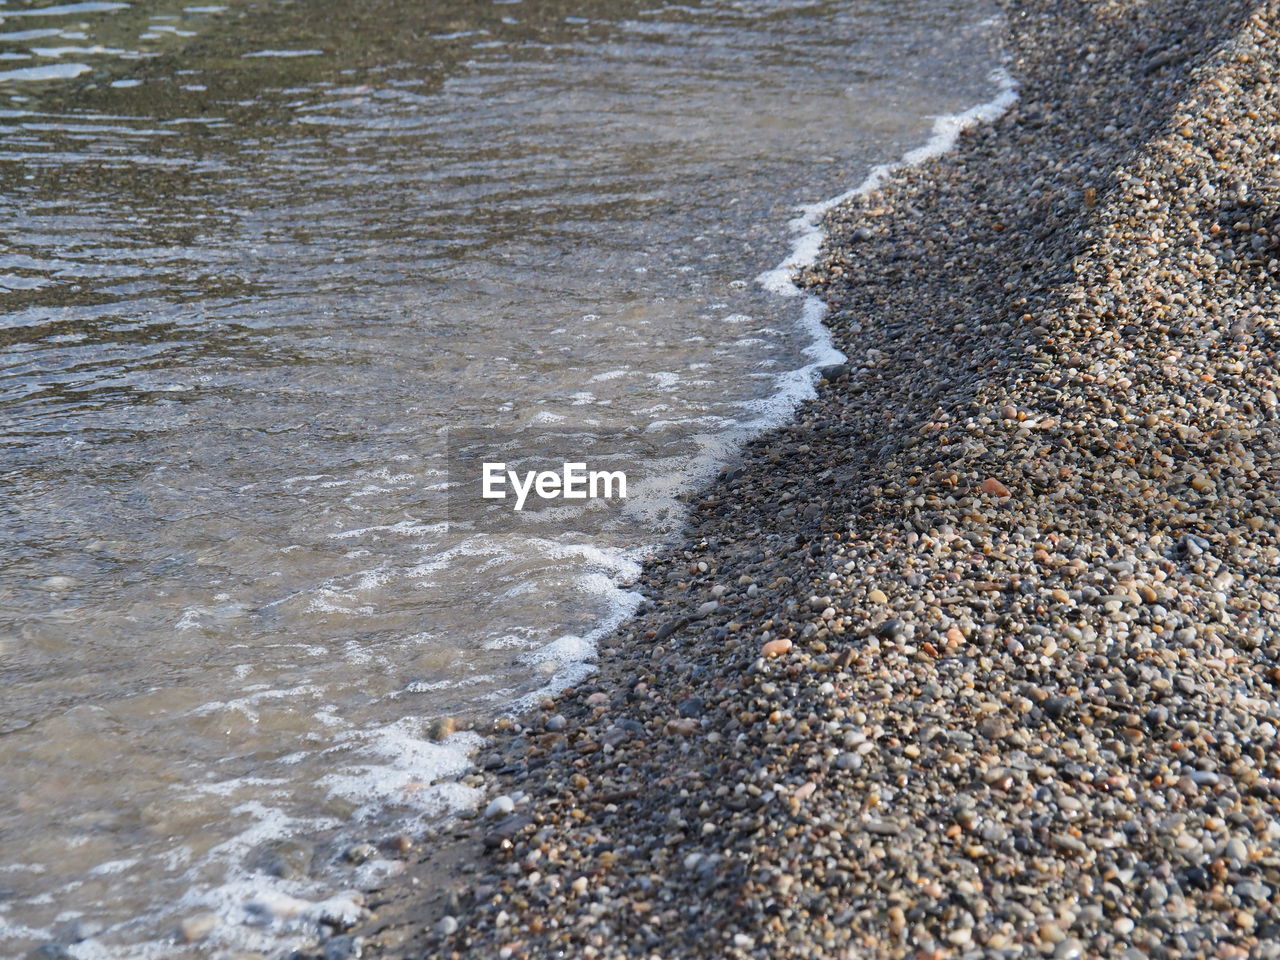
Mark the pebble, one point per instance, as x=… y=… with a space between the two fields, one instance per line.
x=345 y=947
x=776 y=647
x=197 y=926
x=441 y=727
x=360 y=853
x=692 y=707
x=500 y=807
x=1056 y=708
x=882 y=828
x=994 y=487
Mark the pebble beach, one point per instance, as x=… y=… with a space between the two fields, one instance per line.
x=979 y=656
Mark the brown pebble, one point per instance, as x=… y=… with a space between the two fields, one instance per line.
x=994 y=486
x=685 y=726
x=776 y=648
x=441 y=727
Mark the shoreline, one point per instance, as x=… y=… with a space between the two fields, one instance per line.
x=964 y=686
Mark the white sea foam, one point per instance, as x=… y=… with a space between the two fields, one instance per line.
x=808 y=235
x=405 y=768
x=52 y=71
x=62 y=9
x=282 y=53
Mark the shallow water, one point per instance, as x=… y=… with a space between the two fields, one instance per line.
x=269 y=270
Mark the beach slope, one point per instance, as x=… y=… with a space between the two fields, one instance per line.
x=980 y=655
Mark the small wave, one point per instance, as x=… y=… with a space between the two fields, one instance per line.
x=50 y=71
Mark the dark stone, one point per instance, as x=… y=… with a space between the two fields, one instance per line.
x=668 y=628
x=505 y=830
x=693 y=707
x=1197 y=878
x=1056 y=708
x=891 y=628
x=343 y=948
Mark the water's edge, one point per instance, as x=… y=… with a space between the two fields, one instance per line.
x=415 y=901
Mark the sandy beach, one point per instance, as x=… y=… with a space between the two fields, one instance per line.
x=979 y=656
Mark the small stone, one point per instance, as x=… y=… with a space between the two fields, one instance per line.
x=892 y=628
x=993 y=728
x=557 y=723
x=882 y=828
x=1055 y=708
x=993 y=486
x=1068 y=949
x=441 y=727
x=685 y=726
x=1051 y=933
x=360 y=853
x=345 y=947
x=1252 y=890
x=1155 y=894
x=500 y=807
x=1065 y=841
x=805 y=790
x=197 y=927
x=692 y=707
x=776 y=648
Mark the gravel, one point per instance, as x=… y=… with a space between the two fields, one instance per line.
x=1011 y=689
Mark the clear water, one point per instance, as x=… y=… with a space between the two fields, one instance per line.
x=264 y=264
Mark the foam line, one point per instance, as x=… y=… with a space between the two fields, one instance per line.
x=573 y=653
x=807 y=232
